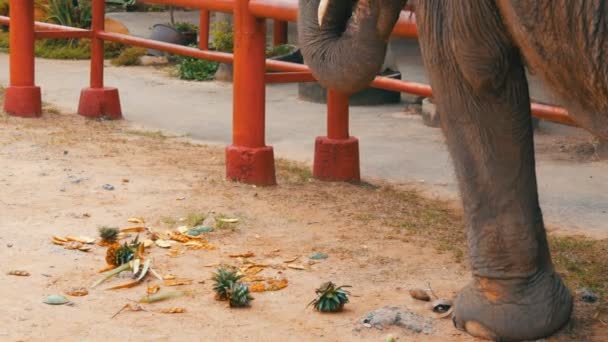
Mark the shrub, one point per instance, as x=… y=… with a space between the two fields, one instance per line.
x=129 y=56
x=185 y=27
x=65 y=12
x=194 y=69
x=223 y=36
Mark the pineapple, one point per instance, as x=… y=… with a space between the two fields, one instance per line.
x=330 y=298
x=224 y=279
x=121 y=254
x=239 y=295
x=108 y=235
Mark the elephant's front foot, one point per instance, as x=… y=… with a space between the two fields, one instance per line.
x=514 y=309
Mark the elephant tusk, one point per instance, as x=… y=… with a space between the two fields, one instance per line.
x=322 y=11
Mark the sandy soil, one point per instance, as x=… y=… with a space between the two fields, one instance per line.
x=51 y=184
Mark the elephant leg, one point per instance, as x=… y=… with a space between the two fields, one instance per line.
x=482 y=96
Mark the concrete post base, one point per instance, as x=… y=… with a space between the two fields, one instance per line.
x=250 y=165
x=23 y=101
x=100 y=103
x=337 y=160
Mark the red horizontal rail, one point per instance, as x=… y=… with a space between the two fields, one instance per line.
x=289 y=77
x=162 y=46
x=63 y=34
x=211 y=5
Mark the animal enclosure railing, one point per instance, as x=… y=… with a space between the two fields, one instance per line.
x=248 y=159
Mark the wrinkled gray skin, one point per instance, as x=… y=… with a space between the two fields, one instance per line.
x=475 y=52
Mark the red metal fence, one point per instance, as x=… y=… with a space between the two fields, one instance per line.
x=248 y=159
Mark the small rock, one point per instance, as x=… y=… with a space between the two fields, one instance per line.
x=400 y=317
x=420 y=294
x=9 y=245
x=76 y=180
x=209 y=222
x=108 y=187
x=153 y=60
x=65 y=153
x=587 y=295
x=318 y=256
x=56 y=300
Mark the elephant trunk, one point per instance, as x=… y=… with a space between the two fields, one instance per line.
x=344 y=41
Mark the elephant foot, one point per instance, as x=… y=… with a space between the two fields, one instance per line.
x=513 y=309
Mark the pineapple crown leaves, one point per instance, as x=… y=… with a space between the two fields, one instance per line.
x=239 y=295
x=224 y=279
x=108 y=233
x=127 y=252
x=330 y=298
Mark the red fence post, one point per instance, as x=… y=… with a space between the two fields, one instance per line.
x=248 y=159
x=98 y=101
x=203 y=30
x=279 y=33
x=23 y=97
x=337 y=155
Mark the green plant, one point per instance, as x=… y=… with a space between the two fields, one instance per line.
x=4 y=6
x=68 y=13
x=185 y=27
x=121 y=254
x=223 y=36
x=279 y=50
x=124 y=3
x=4 y=40
x=330 y=298
x=239 y=295
x=108 y=235
x=224 y=279
x=129 y=56
x=194 y=69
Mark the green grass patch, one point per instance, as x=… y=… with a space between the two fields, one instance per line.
x=193 y=69
x=293 y=171
x=129 y=56
x=195 y=219
x=583 y=262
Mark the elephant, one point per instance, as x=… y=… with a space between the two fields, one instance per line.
x=476 y=53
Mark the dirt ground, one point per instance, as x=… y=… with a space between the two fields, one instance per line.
x=51 y=184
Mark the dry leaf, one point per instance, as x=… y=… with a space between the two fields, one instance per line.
x=59 y=238
x=242 y=255
x=178 y=282
x=130 y=307
x=173 y=311
x=85 y=248
x=183 y=229
x=169 y=277
x=213 y=265
x=77 y=291
x=153 y=289
x=252 y=270
x=147 y=243
x=72 y=245
x=174 y=253
x=161 y=296
x=257 y=287
x=19 y=273
x=276 y=284
x=136 y=220
x=138 y=229
x=288 y=261
x=81 y=239
x=229 y=220
x=175 y=236
x=163 y=243
x=420 y=294
x=296 y=267
x=252 y=279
